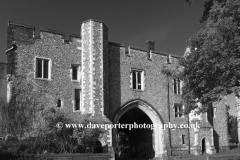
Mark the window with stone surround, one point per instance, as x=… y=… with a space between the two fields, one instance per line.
x=178 y=110
x=177 y=86
x=75 y=72
x=77 y=100
x=137 y=79
x=43 y=68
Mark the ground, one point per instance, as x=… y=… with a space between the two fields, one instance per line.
x=232 y=152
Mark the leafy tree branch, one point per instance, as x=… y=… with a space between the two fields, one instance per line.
x=212 y=67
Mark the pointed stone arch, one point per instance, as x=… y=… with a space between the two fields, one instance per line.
x=102 y=141
x=207 y=145
x=158 y=134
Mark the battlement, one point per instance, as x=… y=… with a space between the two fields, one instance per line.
x=129 y=50
x=26 y=34
x=60 y=33
x=10 y=23
x=23 y=33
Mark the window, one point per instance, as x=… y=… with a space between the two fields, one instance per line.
x=59 y=103
x=177 y=86
x=42 y=68
x=183 y=139
x=77 y=100
x=213 y=111
x=75 y=72
x=137 y=79
x=178 y=110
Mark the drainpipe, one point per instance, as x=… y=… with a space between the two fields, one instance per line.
x=189 y=150
x=169 y=115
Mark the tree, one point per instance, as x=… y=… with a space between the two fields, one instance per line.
x=212 y=68
x=207 y=7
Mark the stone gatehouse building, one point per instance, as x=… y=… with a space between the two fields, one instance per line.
x=86 y=73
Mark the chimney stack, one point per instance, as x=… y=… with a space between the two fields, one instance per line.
x=150 y=46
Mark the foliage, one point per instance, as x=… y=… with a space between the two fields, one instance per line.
x=32 y=126
x=49 y=138
x=212 y=68
x=86 y=136
x=67 y=140
x=233 y=128
x=189 y=2
x=172 y=70
x=18 y=114
x=55 y=139
x=207 y=7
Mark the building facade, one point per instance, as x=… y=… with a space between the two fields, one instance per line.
x=87 y=74
x=3 y=91
x=238 y=116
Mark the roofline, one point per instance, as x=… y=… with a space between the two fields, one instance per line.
x=91 y=19
x=52 y=31
x=74 y=35
x=116 y=44
x=136 y=48
x=176 y=56
x=157 y=52
x=20 y=24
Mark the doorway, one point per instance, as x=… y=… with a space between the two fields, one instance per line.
x=203 y=146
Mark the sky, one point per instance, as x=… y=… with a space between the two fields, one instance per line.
x=170 y=23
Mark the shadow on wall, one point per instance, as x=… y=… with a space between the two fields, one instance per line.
x=114 y=55
x=114 y=79
x=216 y=141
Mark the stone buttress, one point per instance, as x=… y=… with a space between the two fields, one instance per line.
x=94 y=67
x=95 y=98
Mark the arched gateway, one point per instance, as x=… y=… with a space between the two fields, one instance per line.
x=157 y=135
